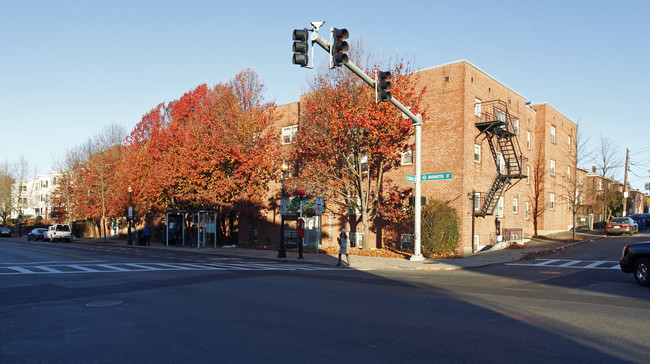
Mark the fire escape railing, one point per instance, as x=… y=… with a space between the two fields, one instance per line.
x=498 y=127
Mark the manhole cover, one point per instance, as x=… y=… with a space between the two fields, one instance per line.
x=104 y=303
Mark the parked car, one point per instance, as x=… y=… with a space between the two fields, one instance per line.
x=621 y=225
x=37 y=234
x=636 y=259
x=4 y=231
x=642 y=219
x=59 y=232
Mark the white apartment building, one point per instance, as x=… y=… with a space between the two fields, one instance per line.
x=33 y=198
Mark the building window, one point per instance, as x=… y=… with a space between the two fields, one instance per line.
x=477 y=201
x=552 y=200
x=407 y=158
x=516 y=125
x=582 y=178
x=552 y=134
x=477 y=107
x=552 y=167
x=528 y=140
x=477 y=153
x=527 y=175
x=289 y=134
x=568 y=173
x=476 y=241
x=515 y=205
x=568 y=203
x=499 y=212
x=501 y=115
x=501 y=166
x=527 y=210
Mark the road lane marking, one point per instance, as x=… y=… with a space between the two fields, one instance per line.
x=159 y=266
x=51 y=252
x=569 y=263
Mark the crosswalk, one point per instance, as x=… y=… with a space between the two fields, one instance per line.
x=568 y=263
x=83 y=267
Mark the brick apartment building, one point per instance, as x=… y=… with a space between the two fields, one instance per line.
x=459 y=97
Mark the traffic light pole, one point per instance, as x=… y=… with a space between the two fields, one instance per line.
x=417 y=123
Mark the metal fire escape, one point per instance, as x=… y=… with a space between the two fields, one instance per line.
x=497 y=126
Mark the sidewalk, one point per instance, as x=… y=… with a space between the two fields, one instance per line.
x=480 y=259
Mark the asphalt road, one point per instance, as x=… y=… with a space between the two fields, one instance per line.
x=63 y=303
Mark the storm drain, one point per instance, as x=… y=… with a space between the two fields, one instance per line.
x=107 y=303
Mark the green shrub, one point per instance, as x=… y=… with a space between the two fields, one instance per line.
x=439 y=228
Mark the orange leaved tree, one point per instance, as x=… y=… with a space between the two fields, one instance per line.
x=346 y=143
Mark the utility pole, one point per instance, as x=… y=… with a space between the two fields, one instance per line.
x=627 y=161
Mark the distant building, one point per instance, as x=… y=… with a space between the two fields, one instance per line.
x=33 y=197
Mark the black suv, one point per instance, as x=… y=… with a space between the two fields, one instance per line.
x=636 y=259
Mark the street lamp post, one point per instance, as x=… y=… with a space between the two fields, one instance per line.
x=282 y=253
x=130 y=216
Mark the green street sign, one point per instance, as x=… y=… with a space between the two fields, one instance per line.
x=429 y=177
x=436 y=176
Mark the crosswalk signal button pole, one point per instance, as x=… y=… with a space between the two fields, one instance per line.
x=338 y=46
x=382 y=85
x=300 y=47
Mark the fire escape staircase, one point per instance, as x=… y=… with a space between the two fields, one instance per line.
x=497 y=126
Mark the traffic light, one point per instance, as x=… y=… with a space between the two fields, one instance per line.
x=300 y=47
x=338 y=46
x=382 y=85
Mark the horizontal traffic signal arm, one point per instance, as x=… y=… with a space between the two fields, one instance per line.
x=316 y=38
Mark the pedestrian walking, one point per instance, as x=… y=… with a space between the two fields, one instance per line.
x=343 y=243
x=147 y=234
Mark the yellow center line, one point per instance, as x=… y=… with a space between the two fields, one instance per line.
x=51 y=252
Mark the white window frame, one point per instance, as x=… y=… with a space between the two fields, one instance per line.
x=477 y=201
x=289 y=134
x=499 y=212
x=527 y=175
x=515 y=205
x=501 y=115
x=477 y=153
x=552 y=134
x=501 y=167
x=568 y=172
x=582 y=178
x=552 y=167
x=477 y=107
x=552 y=201
x=528 y=140
x=516 y=125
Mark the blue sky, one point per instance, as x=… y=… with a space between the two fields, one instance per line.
x=69 y=68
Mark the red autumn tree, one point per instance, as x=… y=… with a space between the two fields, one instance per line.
x=209 y=149
x=346 y=143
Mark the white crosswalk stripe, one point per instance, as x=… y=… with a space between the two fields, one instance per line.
x=157 y=266
x=569 y=263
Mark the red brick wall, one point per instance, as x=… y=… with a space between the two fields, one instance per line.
x=448 y=138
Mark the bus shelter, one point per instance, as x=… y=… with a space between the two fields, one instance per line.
x=179 y=222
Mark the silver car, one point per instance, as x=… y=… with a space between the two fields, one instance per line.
x=622 y=225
